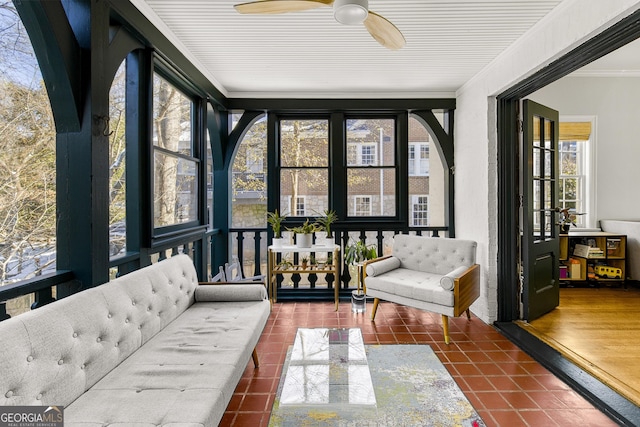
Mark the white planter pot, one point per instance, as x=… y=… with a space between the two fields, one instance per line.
x=278 y=242
x=304 y=240
x=324 y=241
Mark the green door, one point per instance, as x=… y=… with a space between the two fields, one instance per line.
x=540 y=232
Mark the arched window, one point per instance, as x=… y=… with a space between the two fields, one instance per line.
x=426 y=178
x=27 y=154
x=249 y=178
x=27 y=159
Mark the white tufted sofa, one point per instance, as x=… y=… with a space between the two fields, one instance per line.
x=152 y=347
x=430 y=273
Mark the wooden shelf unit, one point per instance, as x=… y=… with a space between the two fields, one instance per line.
x=274 y=269
x=613 y=249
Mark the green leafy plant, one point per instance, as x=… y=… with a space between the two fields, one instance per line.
x=306 y=228
x=359 y=252
x=325 y=221
x=275 y=221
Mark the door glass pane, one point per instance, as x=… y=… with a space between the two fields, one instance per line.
x=536 y=155
x=536 y=131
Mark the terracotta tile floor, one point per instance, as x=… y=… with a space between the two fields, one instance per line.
x=504 y=384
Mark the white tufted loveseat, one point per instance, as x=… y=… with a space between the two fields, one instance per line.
x=429 y=273
x=152 y=347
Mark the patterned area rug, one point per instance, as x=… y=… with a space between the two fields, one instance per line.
x=412 y=388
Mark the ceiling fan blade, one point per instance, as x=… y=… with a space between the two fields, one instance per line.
x=279 y=6
x=385 y=33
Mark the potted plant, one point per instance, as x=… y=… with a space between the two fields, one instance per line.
x=359 y=252
x=275 y=221
x=304 y=234
x=305 y=263
x=354 y=255
x=325 y=221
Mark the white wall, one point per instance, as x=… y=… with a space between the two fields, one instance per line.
x=566 y=27
x=615 y=103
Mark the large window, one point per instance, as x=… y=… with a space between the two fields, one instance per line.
x=576 y=171
x=249 y=177
x=371 y=168
x=175 y=164
x=426 y=178
x=28 y=159
x=304 y=170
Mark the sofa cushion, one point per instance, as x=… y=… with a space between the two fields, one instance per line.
x=448 y=280
x=411 y=284
x=433 y=254
x=235 y=292
x=380 y=267
x=186 y=373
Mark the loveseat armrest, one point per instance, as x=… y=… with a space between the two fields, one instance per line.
x=230 y=291
x=466 y=289
x=377 y=266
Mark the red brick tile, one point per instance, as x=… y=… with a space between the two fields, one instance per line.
x=536 y=418
x=508 y=418
x=492 y=400
x=504 y=384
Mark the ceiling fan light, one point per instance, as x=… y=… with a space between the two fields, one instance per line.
x=350 y=12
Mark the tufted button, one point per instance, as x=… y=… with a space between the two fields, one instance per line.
x=139 y=327
x=170 y=282
x=39 y=396
x=60 y=362
x=117 y=344
x=148 y=308
x=98 y=339
x=8 y=394
x=29 y=358
x=109 y=316
x=126 y=320
x=133 y=303
x=153 y=291
x=82 y=366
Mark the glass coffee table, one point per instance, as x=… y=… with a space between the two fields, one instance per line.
x=328 y=367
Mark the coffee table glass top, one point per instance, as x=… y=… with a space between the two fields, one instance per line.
x=328 y=367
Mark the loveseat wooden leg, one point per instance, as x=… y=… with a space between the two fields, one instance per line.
x=445 y=328
x=256 y=361
x=376 y=301
x=468 y=314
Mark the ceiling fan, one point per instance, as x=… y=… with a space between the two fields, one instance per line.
x=348 y=12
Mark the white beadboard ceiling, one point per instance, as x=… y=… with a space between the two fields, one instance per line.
x=308 y=54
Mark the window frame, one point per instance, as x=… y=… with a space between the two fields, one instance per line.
x=586 y=172
x=394 y=166
x=197 y=120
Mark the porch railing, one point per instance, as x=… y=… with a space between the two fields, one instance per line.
x=249 y=245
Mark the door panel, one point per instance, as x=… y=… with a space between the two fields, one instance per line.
x=540 y=243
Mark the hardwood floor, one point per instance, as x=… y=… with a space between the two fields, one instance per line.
x=599 y=330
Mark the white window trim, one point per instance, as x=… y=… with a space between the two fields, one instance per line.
x=414 y=200
x=304 y=199
x=355 y=204
x=589 y=166
x=417 y=159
